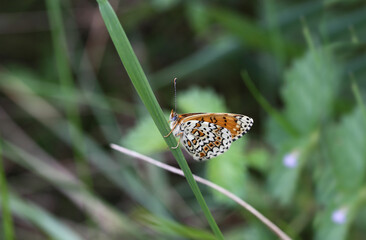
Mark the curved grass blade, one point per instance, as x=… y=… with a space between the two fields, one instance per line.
x=139 y=80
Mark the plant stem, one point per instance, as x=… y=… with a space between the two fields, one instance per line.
x=139 y=80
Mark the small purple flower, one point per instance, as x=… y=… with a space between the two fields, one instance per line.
x=339 y=216
x=290 y=160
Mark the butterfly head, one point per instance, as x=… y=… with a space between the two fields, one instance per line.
x=173 y=116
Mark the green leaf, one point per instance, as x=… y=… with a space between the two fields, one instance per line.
x=144 y=137
x=310 y=87
x=259 y=159
x=251 y=33
x=229 y=171
x=276 y=134
x=285 y=174
x=334 y=222
x=326 y=188
x=209 y=101
x=346 y=146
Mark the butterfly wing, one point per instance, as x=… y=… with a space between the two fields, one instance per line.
x=205 y=140
x=237 y=124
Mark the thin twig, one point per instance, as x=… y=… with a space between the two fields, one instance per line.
x=235 y=198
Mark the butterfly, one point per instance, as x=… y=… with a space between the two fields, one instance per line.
x=207 y=135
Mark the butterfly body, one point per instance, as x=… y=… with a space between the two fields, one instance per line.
x=207 y=135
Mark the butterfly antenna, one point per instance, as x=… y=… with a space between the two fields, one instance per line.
x=175 y=94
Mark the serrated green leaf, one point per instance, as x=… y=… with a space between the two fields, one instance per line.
x=310 y=87
x=346 y=147
x=144 y=137
x=326 y=188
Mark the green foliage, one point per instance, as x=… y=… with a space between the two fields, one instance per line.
x=284 y=177
x=346 y=143
x=7 y=220
x=229 y=171
x=259 y=159
x=310 y=87
x=64 y=96
x=171 y=228
x=144 y=137
x=334 y=222
x=53 y=227
x=208 y=100
x=249 y=32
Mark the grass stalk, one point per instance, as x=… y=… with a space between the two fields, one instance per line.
x=5 y=207
x=139 y=80
x=287 y=126
x=357 y=93
x=66 y=82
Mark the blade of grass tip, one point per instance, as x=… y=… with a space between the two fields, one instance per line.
x=354 y=38
x=222 y=190
x=5 y=208
x=66 y=81
x=307 y=34
x=267 y=107
x=139 y=80
x=357 y=94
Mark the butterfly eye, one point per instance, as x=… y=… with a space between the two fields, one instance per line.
x=174 y=118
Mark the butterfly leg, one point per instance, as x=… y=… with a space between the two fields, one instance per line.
x=180 y=136
x=171 y=130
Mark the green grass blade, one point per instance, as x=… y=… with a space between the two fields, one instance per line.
x=120 y=176
x=357 y=93
x=267 y=107
x=49 y=224
x=66 y=82
x=107 y=219
x=172 y=229
x=203 y=59
x=143 y=88
x=6 y=215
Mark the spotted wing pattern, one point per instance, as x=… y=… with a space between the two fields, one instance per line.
x=237 y=124
x=205 y=140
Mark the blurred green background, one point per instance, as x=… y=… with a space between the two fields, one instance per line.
x=65 y=96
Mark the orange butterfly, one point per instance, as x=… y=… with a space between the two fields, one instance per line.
x=207 y=135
